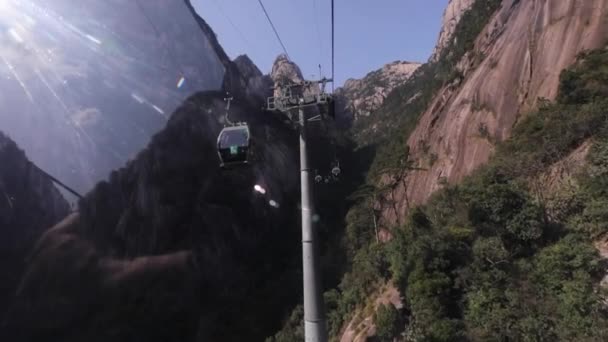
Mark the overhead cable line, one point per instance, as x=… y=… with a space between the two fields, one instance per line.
x=56 y=181
x=168 y=50
x=274 y=29
x=219 y=7
x=314 y=8
x=333 y=55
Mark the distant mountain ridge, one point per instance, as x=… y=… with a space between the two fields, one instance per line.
x=361 y=97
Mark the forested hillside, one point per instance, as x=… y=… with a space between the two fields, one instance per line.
x=509 y=253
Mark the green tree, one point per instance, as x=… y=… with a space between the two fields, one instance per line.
x=387 y=322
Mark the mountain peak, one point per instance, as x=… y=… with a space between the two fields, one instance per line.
x=451 y=17
x=360 y=97
x=284 y=70
x=246 y=67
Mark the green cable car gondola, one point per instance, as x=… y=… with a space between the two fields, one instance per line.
x=234 y=141
x=233 y=145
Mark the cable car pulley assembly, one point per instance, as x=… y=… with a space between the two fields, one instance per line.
x=332 y=177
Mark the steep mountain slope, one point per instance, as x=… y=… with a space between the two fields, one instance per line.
x=446 y=259
x=171 y=247
x=521 y=229
x=29 y=203
x=480 y=106
x=257 y=86
x=472 y=260
x=71 y=72
x=360 y=98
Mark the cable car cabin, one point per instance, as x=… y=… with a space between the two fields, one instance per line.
x=233 y=145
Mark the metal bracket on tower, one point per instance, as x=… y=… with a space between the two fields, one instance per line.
x=293 y=96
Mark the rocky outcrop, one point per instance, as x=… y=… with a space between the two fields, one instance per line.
x=517 y=59
x=171 y=247
x=451 y=17
x=247 y=68
x=285 y=71
x=362 y=328
x=29 y=204
x=361 y=97
x=258 y=87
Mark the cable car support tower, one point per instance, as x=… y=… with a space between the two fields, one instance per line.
x=291 y=99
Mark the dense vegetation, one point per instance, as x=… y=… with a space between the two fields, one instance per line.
x=504 y=256
x=507 y=254
x=401 y=109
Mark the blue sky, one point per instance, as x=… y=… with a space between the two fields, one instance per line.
x=369 y=33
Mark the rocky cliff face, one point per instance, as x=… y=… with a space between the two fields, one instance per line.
x=29 y=204
x=257 y=86
x=451 y=17
x=361 y=97
x=70 y=73
x=171 y=247
x=517 y=59
x=285 y=71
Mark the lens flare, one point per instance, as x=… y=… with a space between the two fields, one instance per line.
x=259 y=189
x=181 y=82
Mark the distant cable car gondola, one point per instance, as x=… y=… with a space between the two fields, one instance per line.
x=233 y=142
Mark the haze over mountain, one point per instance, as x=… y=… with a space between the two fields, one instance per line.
x=86 y=84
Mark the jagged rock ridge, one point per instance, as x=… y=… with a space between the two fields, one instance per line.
x=451 y=17
x=257 y=85
x=361 y=97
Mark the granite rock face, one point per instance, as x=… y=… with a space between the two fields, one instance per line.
x=451 y=17
x=526 y=46
x=361 y=97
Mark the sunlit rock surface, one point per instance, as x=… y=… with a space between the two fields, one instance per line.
x=451 y=17
x=361 y=97
x=84 y=84
x=526 y=46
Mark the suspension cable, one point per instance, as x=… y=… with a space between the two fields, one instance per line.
x=56 y=181
x=242 y=36
x=228 y=99
x=158 y=35
x=333 y=55
x=320 y=41
x=274 y=29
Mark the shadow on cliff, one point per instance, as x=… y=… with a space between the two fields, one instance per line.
x=171 y=247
